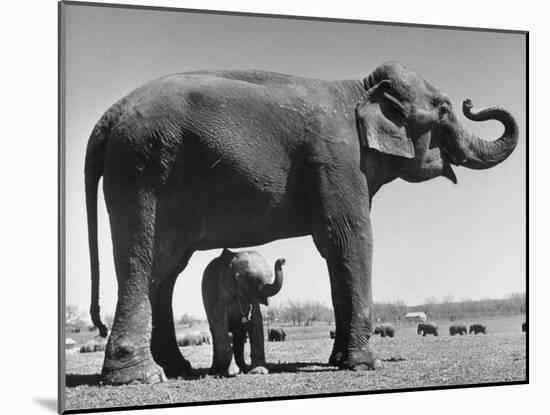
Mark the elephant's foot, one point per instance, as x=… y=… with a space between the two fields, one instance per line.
x=363 y=359
x=258 y=370
x=335 y=358
x=125 y=363
x=219 y=371
x=145 y=371
x=177 y=366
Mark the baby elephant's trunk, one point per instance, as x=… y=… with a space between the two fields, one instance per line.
x=274 y=288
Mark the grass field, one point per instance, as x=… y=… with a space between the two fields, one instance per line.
x=298 y=367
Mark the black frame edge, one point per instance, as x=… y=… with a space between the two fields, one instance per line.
x=291 y=17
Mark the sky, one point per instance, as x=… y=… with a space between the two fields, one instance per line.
x=431 y=240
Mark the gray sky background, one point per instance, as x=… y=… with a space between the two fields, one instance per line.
x=431 y=239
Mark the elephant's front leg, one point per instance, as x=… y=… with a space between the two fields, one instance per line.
x=256 y=334
x=349 y=271
x=343 y=235
x=164 y=345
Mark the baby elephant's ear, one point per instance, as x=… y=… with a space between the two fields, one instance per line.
x=379 y=125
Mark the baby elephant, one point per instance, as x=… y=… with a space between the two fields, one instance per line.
x=233 y=287
x=478 y=328
x=458 y=329
x=427 y=328
x=385 y=329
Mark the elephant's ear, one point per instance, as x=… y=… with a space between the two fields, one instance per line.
x=381 y=126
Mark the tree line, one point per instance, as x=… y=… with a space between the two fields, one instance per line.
x=306 y=313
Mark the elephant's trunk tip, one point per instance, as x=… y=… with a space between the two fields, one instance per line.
x=481 y=154
x=274 y=288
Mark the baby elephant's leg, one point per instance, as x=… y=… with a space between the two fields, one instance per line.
x=239 y=338
x=256 y=332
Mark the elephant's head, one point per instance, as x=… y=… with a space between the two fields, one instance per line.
x=404 y=115
x=253 y=277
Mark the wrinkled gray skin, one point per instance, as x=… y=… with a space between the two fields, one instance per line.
x=385 y=329
x=233 y=287
x=458 y=329
x=214 y=159
x=427 y=328
x=477 y=328
x=276 y=335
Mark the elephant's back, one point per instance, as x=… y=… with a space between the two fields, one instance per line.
x=195 y=100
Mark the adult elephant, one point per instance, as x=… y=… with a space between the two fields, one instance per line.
x=458 y=329
x=427 y=328
x=233 y=287
x=214 y=159
x=478 y=329
x=385 y=329
x=276 y=335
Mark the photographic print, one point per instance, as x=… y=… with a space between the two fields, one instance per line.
x=261 y=207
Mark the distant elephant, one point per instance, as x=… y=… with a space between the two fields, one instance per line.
x=524 y=327
x=478 y=328
x=276 y=335
x=209 y=159
x=458 y=329
x=385 y=329
x=233 y=287
x=97 y=344
x=427 y=328
x=205 y=337
x=332 y=334
x=193 y=338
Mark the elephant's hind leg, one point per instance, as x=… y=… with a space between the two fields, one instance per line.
x=128 y=353
x=239 y=337
x=163 y=343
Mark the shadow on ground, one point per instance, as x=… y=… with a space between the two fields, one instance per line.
x=48 y=403
x=74 y=380
x=300 y=367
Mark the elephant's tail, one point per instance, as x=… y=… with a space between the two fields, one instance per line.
x=93 y=170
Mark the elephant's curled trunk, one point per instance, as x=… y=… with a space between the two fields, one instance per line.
x=476 y=153
x=274 y=288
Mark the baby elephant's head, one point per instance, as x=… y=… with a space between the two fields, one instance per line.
x=253 y=277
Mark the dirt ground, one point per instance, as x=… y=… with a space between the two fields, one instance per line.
x=299 y=367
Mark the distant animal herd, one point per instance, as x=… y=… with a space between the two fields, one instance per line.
x=425 y=328
x=198 y=338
